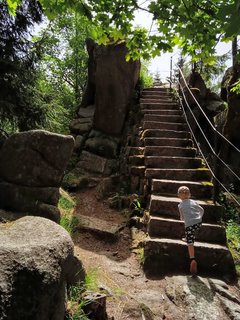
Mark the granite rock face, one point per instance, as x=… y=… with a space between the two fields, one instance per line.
x=110 y=87
x=31 y=170
x=36 y=266
x=231 y=126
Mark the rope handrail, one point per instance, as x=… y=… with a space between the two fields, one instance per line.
x=197 y=144
x=209 y=144
x=215 y=130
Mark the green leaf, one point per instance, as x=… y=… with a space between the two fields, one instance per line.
x=234 y=26
x=12 y=6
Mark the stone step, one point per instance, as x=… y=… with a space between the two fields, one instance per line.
x=161 y=133
x=168 y=207
x=199 y=190
x=164 y=118
x=200 y=174
x=166 y=150
x=174 y=229
x=156 y=100
x=156 y=89
x=167 y=142
x=162 y=112
x=159 y=106
x=172 y=162
x=164 y=125
x=156 y=92
x=156 y=95
x=168 y=256
x=137 y=160
x=133 y=151
x=137 y=171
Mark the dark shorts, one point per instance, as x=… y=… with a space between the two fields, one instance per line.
x=191 y=231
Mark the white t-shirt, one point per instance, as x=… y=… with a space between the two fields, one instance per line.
x=191 y=212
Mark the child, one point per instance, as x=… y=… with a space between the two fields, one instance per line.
x=191 y=213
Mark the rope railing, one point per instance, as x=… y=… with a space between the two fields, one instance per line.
x=208 y=143
x=206 y=117
x=205 y=159
x=205 y=138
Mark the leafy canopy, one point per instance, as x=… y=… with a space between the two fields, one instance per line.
x=194 y=25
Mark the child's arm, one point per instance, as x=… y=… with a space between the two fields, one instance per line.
x=180 y=213
x=201 y=210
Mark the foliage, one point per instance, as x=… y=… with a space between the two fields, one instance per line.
x=75 y=302
x=63 y=69
x=231 y=212
x=210 y=73
x=232 y=220
x=195 y=26
x=236 y=87
x=91 y=280
x=233 y=237
x=66 y=205
x=18 y=107
x=145 y=79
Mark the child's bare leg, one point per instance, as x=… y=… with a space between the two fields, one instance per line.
x=191 y=251
x=193 y=262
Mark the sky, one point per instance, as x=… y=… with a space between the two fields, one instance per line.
x=161 y=65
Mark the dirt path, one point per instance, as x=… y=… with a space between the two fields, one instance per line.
x=130 y=295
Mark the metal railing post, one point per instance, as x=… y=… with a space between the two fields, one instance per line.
x=171 y=72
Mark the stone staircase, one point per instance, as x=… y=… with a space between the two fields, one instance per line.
x=166 y=161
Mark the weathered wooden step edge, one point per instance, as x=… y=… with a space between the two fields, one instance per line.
x=169 y=256
x=200 y=174
x=199 y=190
x=168 y=207
x=159 y=227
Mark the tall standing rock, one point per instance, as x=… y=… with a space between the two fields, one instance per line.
x=31 y=170
x=111 y=82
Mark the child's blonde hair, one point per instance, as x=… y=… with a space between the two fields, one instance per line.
x=183 y=189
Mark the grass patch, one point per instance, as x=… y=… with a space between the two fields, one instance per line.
x=76 y=304
x=91 y=280
x=231 y=219
x=233 y=239
x=66 y=205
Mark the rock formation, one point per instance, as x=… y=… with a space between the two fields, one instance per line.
x=211 y=104
x=31 y=170
x=231 y=125
x=36 y=266
x=106 y=103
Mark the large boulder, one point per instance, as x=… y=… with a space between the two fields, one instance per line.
x=31 y=170
x=111 y=82
x=36 y=266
